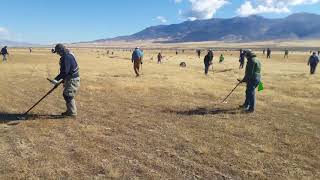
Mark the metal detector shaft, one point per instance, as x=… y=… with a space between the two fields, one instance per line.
x=55 y=87
x=231 y=92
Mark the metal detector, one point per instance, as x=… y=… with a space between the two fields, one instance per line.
x=55 y=87
x=231 y=92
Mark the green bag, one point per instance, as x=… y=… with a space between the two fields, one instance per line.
x=260 y=87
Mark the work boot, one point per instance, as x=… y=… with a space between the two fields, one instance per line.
x=68 y=114
x=71 y=109
x=244 y=107
x=249 y=110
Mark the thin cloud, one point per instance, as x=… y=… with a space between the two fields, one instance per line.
x=202 y=9
x=5 y=34
x=251 y=7
x=162 y=19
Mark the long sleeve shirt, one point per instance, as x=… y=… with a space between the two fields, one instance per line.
x=253 y=69
x=68 y=67
x=137 y=55
x=313 y=60
x=4 y=51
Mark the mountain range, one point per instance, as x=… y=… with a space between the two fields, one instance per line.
x=15 y=43
x=252 y=28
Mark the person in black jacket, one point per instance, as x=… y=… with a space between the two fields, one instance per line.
x=268 y=53
x=4 y=53
x=69 y=74
x=208 y=61
x=313 y=62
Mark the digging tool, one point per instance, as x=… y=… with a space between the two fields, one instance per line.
x=231 y=92
x=55 y=87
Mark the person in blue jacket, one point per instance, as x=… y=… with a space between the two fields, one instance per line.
x=4 y=53
x=313 y=62
x=136 y=59
x=69 y=74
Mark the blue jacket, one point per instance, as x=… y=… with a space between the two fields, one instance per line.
x=241 y=59
x=313 y=60
x=68 y=67
x=137 y=55
x=4 y=51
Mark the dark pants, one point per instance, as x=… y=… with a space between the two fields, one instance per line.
x=269 y=56
x=250 y=101
x=4 y=57
x=313 y=67
x=206 y=68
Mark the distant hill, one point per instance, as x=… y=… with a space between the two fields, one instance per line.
x=252 y=28
x=15 y=44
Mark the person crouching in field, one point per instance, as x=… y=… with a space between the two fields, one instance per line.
x=4 y=53
x=69 y=74
x=252 y=78
x=221 y=58
x=313 y=62
x=159 y=58
x=208 y=61
x=136 y=59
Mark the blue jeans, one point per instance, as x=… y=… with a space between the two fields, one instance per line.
x=250 y=101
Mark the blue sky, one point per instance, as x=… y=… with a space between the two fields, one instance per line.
x=43 y=21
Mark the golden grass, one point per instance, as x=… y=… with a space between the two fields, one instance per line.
x=168 y=124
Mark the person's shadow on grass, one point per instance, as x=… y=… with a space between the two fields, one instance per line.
x=207 y=111
x=11 y=117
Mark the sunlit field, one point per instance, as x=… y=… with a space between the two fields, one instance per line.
x=167 y=124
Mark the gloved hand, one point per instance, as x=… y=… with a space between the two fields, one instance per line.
x=54 y=82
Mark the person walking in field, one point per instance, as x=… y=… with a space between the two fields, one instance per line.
x=159 y=58
x=241 y=59
x=286 y=53
x=252 y=78
x=136 y=59
x=268 y=53
x=69 y=74
x=264 y=51
x=313 y=63
x=208 y=61
x=199 y=53
x=4 y=53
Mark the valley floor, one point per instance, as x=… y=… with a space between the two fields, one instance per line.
x=167 y=124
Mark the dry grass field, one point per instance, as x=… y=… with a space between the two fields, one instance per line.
x=167 y=124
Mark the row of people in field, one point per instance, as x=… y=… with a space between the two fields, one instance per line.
x=70 y=76
x=252 y=76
